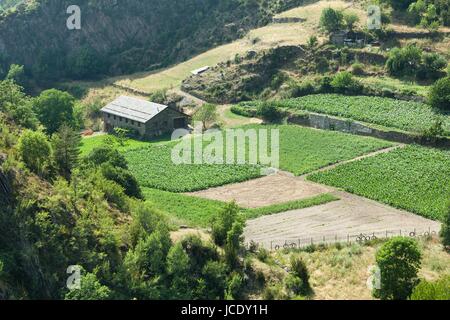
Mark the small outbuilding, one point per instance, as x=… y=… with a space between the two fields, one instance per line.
x=146 y=119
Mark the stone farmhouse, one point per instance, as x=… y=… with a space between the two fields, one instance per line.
x=145 y=119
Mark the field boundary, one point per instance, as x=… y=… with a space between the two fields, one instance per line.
x=361 y=238
x=347 y=125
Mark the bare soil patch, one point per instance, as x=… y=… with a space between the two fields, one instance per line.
x=274 y=189
x=352 y=215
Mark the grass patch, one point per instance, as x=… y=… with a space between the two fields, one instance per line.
x=404 y=115
x=288 y=206
x=413 y=178
x=193 y=211
x=90 y=143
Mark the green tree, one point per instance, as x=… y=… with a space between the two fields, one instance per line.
x=124 y=178
x=66 y=149
x=214 y=280
x=350 y=20
x=35 y=151
x=16 y=73
x=344 y=82
x=178 y=266
x=399 y=4
x=121 y=135
x=269 y=112
x=54 y=108
x=234 y=243
x=404 y=61
x=90 y=289
x=399 y=260
x=439 y=95
x=445 y=230
x=207 y=115
x=223 y=222
x=331 y=20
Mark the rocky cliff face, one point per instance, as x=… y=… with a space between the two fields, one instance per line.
x=123 y=36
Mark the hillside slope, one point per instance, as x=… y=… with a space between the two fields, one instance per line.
x=123 y=36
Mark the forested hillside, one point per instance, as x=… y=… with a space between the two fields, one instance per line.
x=6 y=4
x=122 y=36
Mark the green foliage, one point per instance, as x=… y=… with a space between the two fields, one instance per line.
x=121 y=135
x=16 y=73
x=439 y=96
x=399 y=260
x=350 y=20
x=445 y=229
x=35 y=151
x=437 y=290
x=432 y=66
x=16 y=105
x=270 y=113
x=122 y=177
x=66 y=150
x=223 y=222
x=53 y=109
x=178 y=266
x=154 y=168
x=343 y=82
x=298 y=279
x=234 y=243
x=387 y=178
x=399 y=4
x=404 y=115
x=160 y=96
x=235 y=286
x=288 y=206
x=331 y=20
x=207 y=115
x=405 y=61
x=105 y=154
x=91 y=289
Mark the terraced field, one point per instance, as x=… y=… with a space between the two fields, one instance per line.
x=413 y=178
x=403 y=115
x=302 y=150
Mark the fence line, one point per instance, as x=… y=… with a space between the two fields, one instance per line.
x=275 y=245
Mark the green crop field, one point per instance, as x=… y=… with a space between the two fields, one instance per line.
x=193 y=211
x=413 y=178
x=154 y=168
x=403 y=115
x=197 y=212
x=302 y=150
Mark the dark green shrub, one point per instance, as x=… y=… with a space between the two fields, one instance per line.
x=432 y=66
x=343 y=82
x=445 y=230
x=331 y=19
x=235 y=286
x=399 y=260
x=439 y=96
x=105 y=154
x=269 y=112
x=303 y=89
x=325 y=84
x=124 y=178
x=405 y=61
x=437 y=290
x=358 y=69
x=223 y=222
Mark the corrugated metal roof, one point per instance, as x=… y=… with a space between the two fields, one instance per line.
x=134 y=109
